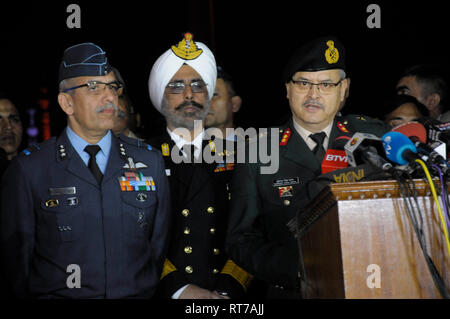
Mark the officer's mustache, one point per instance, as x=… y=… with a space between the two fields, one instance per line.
x=107 y=106
x=312 y=102
x=189 y=103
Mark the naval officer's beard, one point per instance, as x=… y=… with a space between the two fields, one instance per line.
x=178 y=117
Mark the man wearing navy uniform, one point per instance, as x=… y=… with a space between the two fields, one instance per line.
x=181 y=85
x=86 y=214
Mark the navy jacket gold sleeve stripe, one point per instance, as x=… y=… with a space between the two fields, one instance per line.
x=54 y=215
x=200 y=201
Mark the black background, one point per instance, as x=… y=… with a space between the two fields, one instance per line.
x=251 y=39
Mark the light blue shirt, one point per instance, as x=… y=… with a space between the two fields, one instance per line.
x=79 y=144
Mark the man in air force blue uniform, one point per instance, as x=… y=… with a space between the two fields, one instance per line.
x=85 y=215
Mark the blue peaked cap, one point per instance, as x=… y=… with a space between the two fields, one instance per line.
x=85 y=59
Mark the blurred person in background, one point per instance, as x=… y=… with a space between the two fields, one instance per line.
x=401 y=109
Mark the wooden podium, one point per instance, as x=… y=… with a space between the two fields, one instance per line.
x=357 y=236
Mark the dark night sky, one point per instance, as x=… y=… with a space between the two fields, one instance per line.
x=252 y=42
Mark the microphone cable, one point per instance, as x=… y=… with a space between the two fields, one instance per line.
x=433 y=191
x=444 y=196
x=414 y=212
x=408 y=193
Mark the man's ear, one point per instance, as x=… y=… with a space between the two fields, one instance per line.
x=65 y=101
x=344 y=86
x=433 y=100
x=236 y=102
x=287 y=90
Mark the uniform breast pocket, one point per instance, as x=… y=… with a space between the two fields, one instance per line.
x=138 y=211
x=62 y=218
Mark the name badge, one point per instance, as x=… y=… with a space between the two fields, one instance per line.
x=286 y=181
x=62 y=191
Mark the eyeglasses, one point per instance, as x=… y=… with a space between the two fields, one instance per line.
x=177 y=87
x=121 y=114
x=98 y=87
x=324 y=87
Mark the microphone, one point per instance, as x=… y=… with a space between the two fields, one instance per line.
x=335 y=157
x=334 y=160
x=335 y=167
x=399 y=148
x=417 y=134
x=365 y=148
x=440 y=148
x=437 y=131
x=414 y=130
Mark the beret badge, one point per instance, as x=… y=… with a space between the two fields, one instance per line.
x=332 y=53
x=186 y=48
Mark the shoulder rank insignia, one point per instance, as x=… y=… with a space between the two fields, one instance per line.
x=32 y=148
x=165 y=150
x=361 y=118
x=62 y=151
x=285 y=137
x=212 y=146
x=332 y=53
x=186 y=48
x=342 y=127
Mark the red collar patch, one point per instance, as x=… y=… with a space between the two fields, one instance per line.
x=342 y=127
x=285 y=137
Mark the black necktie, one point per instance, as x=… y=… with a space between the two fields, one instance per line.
x=319 y=150
x=92 y=150
x=189 y=150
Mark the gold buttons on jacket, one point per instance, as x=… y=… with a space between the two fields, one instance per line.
x=216 y=251
x=210 y=210
x=287 y=202
x=215 y=271
x=187 y=231
x=212 y=231
x=188 y=249
x=185 y=212
x=189 y=269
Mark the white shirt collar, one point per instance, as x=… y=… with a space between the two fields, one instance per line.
x=304 y=133
x=180 y=142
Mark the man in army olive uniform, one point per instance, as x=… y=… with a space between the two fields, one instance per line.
x=258 y=237
x=182 y=83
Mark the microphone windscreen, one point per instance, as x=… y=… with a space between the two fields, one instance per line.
x=395 y=144
x=413 y=129
x=334 y=160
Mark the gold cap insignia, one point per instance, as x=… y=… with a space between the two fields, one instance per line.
x=332 y=53
x=186 y=48
x=361 y=118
